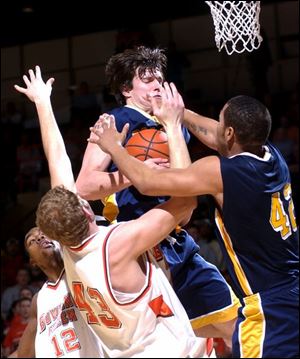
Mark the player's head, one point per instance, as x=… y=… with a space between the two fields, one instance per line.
x=65 y=216
x=249 y=120
x=139 y=62
x=41 y=249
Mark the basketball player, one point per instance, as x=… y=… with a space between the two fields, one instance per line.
x=135 y=76
x=116 y=284
x=56 y=327
x=254 y=215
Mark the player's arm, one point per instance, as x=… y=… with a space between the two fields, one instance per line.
x=131 y=239
x=58 y=161
x=202 y=177
x=170 y=114
x=135 y=237
x=93 y=182
x=26 y=347
x=204 y=128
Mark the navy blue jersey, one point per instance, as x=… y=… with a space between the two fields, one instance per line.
x=132 y=204
x=257 y=226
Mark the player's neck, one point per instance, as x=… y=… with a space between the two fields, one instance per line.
x=143 y=112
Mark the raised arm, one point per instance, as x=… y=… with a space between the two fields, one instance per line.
x=204 y=128
x=58 y=161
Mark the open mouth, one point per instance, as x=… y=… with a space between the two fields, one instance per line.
x=46 y=244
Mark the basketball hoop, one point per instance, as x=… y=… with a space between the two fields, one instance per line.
x=236 y=24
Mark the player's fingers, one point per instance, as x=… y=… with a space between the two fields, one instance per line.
x=20 y=89
x=93 y=140
x=101 y=119
x=26 y=80
x=50 y=81
x=31 y=75
x=154 y=104
x=96 y=130
x=38 y=72
x=176 y=94
x=111 y=121
x=174 y=89
x=124 y=131
x=160 y=161
x=168 y=91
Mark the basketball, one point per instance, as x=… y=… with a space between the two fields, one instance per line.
x=148 y=143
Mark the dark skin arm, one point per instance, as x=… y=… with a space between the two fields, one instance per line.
x=204 y=128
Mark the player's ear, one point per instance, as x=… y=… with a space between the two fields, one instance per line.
x=229 y=133
x=230 y=136
x=88 y=213
x=126 y=91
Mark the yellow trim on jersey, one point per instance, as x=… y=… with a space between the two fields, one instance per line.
x=219 y=316
x=155 y=119
x=110 y=210
x=252 y=329
x=234 y=259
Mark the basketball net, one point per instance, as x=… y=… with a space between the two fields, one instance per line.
x=236 y=24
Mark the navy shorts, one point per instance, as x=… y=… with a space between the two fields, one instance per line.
x=268 y=324
x=201 y=288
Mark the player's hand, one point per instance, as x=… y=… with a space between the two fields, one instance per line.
x=169 y=110
x=36 y=89
x=157 y=163
x=106 y=135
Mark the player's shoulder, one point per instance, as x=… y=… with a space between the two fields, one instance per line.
x=123 y=111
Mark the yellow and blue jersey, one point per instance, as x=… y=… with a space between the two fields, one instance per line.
x=259 y=238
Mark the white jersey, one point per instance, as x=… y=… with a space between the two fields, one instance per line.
x=151 y=323
x=61 y=330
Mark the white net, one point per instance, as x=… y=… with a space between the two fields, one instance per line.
x=236 y=24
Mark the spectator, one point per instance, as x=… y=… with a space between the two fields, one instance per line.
x=17 y=328
x=12 y=293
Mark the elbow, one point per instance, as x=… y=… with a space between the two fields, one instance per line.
x=186 y=219
x=143 y=188
x=190 y=205
x=84 y=190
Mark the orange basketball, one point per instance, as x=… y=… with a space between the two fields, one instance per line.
x=148 y=143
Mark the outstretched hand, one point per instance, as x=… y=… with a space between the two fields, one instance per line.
x=169 y=110
x=105 y=135
x=36 y=89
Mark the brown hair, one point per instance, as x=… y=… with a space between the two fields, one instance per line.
x=61 y=217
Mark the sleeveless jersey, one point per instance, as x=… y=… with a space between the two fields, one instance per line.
x=257 y=229
x=150 y=323
x=61 y=331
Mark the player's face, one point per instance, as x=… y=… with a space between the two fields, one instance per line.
x=143 y=88
x=39 y=247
